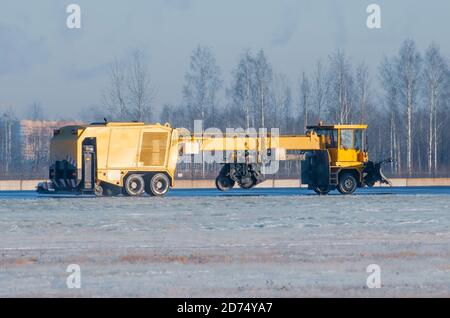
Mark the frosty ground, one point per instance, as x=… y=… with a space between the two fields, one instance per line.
x=201 y=243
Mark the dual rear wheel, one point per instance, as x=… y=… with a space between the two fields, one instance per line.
x=154 y=185
x=157 y=185
x=136 y=185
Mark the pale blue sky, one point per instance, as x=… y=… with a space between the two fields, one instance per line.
x=66 y=70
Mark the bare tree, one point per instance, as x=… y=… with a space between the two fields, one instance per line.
x=304 y=96
x=435 y=69
x=8 y=140
x=130 y=94
x=37 y=138
x=362 y=86
x=408 y=71
x=202 y=84
x=141 y=92
x=263 y=82
x=319 y=89
x=242 y=88
x=340 y=98
x=282 y=101
x=115 y=97
x=389 y=83
x=168 y=114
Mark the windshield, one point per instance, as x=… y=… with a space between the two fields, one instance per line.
x=359 y=139
x=346 y=138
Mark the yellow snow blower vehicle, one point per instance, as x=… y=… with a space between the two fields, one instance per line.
x=134 y=158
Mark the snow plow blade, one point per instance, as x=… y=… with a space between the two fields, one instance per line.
x=52 y=187
x=45 y=187
x=372 y=173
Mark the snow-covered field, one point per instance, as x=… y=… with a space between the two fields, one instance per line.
x=199 y=243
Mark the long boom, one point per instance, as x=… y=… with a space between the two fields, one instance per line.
x=197 y=143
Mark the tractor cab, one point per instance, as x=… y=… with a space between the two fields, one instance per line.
x=345 y=143
x=342 y=162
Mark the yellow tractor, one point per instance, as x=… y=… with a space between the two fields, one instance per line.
x=333 y=157
x=342 y=162
x=134 y=158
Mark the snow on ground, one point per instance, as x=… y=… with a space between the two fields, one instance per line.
x=199 y=243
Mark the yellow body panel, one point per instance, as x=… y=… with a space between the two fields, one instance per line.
x=64 y=144
x=348 y=155
x=120 y=148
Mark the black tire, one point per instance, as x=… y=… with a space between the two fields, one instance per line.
x=347 y=184
x=322 y=190
x=224 y=183
x=248 y=185
x=98 y=190
x=157 y=185
x=134 y=185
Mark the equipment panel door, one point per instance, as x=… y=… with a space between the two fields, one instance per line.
x=346 y=151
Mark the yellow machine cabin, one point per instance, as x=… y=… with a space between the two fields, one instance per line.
x=114 y=158
x=136 y=158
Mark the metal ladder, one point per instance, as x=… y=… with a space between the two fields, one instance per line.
x=334 y=176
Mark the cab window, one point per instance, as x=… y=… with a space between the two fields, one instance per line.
x=330 y=137
x=346 y=138
x=359 y=139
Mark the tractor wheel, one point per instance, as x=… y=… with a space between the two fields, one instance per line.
x=322 y=190
x=157 y=185
x=134 y=185
x=347 y=184
x=224 y=183
x=248 y=185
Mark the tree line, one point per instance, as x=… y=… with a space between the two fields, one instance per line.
x=405 y=102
